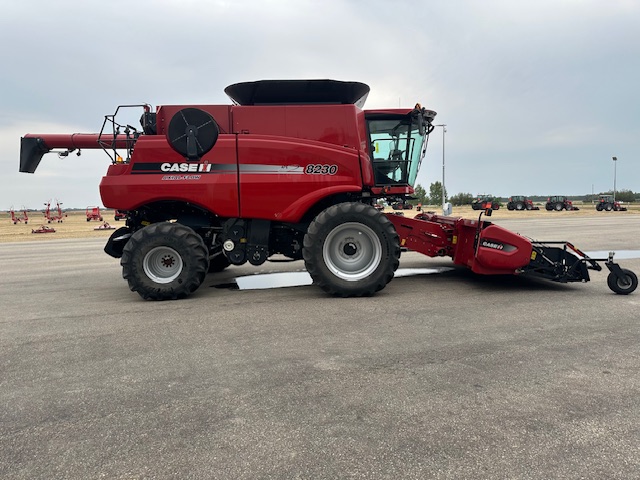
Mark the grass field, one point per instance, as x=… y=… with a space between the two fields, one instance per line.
x=75 y=225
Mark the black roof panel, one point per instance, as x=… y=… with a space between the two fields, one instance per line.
x=287 y=92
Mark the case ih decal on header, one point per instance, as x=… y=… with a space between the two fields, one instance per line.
x=291 y=167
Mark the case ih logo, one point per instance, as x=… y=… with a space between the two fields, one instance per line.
x=494 y=245
x=185 y=167
x=182 y=167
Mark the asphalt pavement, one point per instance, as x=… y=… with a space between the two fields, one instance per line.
x=444 y=375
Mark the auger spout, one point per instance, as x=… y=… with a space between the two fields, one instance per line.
x=34 y=146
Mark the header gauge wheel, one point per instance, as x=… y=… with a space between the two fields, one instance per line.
x=625 y=285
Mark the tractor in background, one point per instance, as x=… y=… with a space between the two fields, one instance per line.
x=558 y=203
x=483 y=202
x=607 y=203
x=520 y=202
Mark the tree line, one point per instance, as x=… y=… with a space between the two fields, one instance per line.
x=434 y=196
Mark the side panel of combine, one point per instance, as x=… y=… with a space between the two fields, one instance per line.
x=294 y=156
x=159 y=173
x=291 y=183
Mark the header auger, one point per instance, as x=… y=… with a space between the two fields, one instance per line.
x=291 y=167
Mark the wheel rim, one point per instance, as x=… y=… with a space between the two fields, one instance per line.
x=162 y=264
x=352 y=251
x=623 y=283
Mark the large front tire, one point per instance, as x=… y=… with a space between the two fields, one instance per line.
x=351 y=250
x=164 y=261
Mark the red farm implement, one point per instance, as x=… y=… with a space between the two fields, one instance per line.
x=23 y=217
x=93 y=213
x=56 y=215
x=43 y=229
x=105 y=226
x=290 y=167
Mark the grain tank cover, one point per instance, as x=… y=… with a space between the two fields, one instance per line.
x=305 y=92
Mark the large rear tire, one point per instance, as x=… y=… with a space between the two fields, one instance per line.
x=558 y=207
x=164 y=261
x=351 y=250
x=519 y=206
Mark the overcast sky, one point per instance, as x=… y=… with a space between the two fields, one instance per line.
x=537 y=95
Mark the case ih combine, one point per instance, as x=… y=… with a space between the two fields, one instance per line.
x=291 y=168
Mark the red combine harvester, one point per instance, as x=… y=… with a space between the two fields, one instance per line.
x=56 y=216
x=93 y=213
x=24 y=217
x=292 y=167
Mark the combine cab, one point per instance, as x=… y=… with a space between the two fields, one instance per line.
x=607 y=203
x=559 y=203
x=292 y=168
x=520 y=202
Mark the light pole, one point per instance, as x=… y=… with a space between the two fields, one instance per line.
x=444 y=130
x=615 y=160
